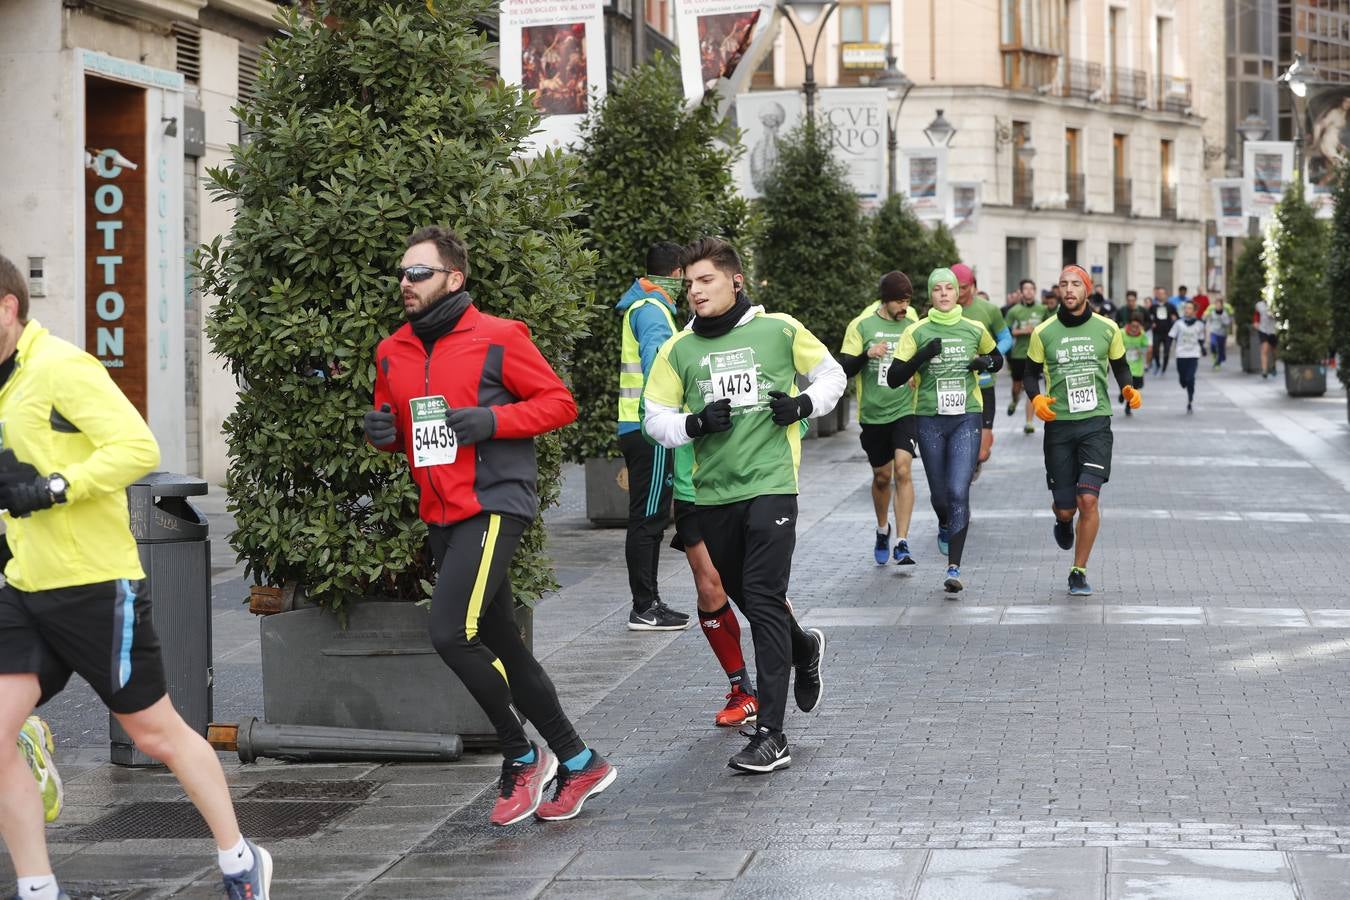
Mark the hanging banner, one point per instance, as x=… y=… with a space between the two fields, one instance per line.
x=764 y=117
x=1230 y=218
x=555 y=50
x=965 y=203
x=923 y=179
x=856 y=118
x=1267 y=166
x=720 y=43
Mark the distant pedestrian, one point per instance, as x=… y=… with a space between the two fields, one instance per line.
x=1218 y=322
x=1163 y=317
x=1268 y=328
x=1138 y=342
x=1188 y=333
x=1125 y=313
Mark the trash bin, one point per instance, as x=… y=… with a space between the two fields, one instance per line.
x=172 y=537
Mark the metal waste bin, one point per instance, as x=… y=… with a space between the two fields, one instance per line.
x=172 y=537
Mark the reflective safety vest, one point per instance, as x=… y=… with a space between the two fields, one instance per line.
x=631 y=380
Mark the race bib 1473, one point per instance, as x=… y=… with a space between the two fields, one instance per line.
x=734 y=376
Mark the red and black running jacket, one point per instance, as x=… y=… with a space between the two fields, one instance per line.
x=484 y=361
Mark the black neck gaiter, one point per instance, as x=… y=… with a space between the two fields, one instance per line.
x=7 y=367
x=1070 y=319
x=716 y=326
x=440 y=318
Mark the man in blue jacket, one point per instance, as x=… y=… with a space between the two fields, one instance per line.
x=648 y=309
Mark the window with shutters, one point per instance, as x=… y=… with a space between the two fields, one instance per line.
x=188 y=45
x=248 y=70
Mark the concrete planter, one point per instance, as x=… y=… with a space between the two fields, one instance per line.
x=843 y=412
x=380 y=673
x=1305 y=380
x=1251 y=353
x=607 y=492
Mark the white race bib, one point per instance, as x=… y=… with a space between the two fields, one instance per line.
x=434 y=443
x=734 y=377
x=884 y=366
x=951 y=396
x=1082 y=390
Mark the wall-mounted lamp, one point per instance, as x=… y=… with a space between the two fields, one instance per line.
x=171 y=128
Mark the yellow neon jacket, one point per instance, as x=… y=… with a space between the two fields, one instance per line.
x=61 y=412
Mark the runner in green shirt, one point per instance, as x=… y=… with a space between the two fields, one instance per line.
x=728 y=384
x=991 y=317
x=886 y=416
x=1074 y=350
x=1138 y=342
x=1023 y=317
x=946 y=351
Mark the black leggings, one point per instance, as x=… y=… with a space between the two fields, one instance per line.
x=473 y=628
x=950 y=449
x=1186 y=375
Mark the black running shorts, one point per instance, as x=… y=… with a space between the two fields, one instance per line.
x=989 y=399
x=1074 y=450
x=102 y=631
x=1018 y=367
x=880 y=441
x=686 y=526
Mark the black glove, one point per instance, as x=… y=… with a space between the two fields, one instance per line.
x=716 y=416
x=981 y=364
x=471 y=424
x=379 y=426
x=930 y=350
x=789 y=410
x=24 y=497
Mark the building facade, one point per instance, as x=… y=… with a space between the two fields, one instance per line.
x=1085 y=122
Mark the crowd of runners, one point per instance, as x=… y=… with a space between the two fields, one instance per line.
x=715 y=397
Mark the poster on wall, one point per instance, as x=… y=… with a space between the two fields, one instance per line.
x=965 y=203
x=856 y=118
x=1230 y=216
x=1327 y=137
x=764 y=117
x=923 y=179
x=556 y=51
x=1267 y=166
x=720 y=42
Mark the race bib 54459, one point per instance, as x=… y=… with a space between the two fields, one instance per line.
x=434 y=443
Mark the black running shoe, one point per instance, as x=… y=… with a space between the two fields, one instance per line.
x=807 y=686
x=657 y=617
x=1078 y=583
x=1063 y=535
x=766 y=752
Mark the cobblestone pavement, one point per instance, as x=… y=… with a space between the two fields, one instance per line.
x=1182 y=733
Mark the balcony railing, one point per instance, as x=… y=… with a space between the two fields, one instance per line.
x=1174 y=94
x=1124 y=197
x=1023 y=188
x=1128 y=86
x=1079 y=79
x=1029 y=69
x=1169 y=201
x=1076 y=189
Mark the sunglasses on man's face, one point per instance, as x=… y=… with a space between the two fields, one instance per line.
x=414 y=274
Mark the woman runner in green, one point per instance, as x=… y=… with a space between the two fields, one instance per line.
x=946 y=350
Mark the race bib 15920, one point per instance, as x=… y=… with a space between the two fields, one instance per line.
x=951 y=396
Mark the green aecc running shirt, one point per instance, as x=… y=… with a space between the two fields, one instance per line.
x=1020 y=316
x=756 y=457
x=1076 y=362
x=946 y=386
x=878 y=402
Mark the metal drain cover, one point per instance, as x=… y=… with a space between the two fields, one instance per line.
x=265 y=820
x=313 y=790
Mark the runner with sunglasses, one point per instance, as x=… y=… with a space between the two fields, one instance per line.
x=947 y=351
x=463 y=395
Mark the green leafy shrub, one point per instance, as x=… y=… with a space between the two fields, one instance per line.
x=1245 y=287
x=370 y=120
x=1295 y=257
x=901 y=241
x=651 y=170
x=1338 y=272
x=814 y=258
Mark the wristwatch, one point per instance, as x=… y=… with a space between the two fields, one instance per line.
x=57 y=484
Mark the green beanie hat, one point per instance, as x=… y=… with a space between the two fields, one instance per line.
x=941 y=275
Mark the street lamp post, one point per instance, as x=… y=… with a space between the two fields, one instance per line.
x=808 y=11
x=897 y=89
x=940 y=131
x=1297 y=78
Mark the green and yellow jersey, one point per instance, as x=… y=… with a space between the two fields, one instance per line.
x=946 y=386
x=1076 y=361
x=878 y=403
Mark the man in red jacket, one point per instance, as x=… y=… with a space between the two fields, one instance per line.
x=463 y=394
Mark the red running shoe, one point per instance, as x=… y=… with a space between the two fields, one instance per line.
x=741 y=709
x=575 y=788
x=522 y=787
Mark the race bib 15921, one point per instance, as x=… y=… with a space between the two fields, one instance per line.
x=1082 y=390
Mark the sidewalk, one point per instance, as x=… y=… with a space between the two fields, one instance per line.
x=1183 y=733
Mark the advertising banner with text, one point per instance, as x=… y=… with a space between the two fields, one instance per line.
x=555 y=50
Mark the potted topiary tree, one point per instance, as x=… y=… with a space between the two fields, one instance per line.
x=1245 y=286
x=652 y=169
x=814 y=259
x=1295 y=257
x=1338 y=277
x=359 y=132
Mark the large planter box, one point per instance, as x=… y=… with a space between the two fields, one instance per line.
x=381 y=672
x=843 y=412
x=1305 y=380
x=607 y=492
x=1251 y=353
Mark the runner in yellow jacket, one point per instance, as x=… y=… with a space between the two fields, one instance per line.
x=75 y=598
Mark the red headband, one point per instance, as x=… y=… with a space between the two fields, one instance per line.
x=1081 y=273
